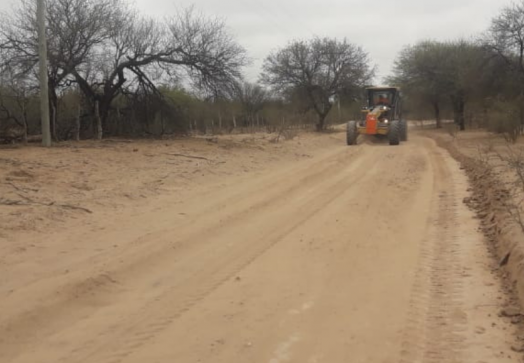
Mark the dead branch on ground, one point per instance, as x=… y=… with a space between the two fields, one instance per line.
x=29 y=202
x=189 y=156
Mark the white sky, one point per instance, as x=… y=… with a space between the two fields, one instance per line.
x=381 y=27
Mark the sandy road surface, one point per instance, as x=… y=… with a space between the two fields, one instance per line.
x=362 y=254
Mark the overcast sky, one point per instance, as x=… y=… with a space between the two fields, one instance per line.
x=381 y=27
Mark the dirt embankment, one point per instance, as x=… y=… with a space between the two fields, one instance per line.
x=491 y=181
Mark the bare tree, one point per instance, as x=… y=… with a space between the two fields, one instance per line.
x=442 y=71
x=188 y=46
x=74 y=28
x=322 y=68
x=252 y=98
x=204 y=53
x=420 y=71
x=105 y=46
x=15 y=96
x=506 y=36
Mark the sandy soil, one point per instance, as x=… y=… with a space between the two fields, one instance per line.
x=70 y=181
x=497 y=193
x=304 y=251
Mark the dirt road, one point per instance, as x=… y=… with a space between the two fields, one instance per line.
x=362 y=254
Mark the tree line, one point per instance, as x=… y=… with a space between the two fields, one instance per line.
x=114 y=71
x=475 y=82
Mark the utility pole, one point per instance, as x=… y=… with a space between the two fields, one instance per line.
x=42 y=54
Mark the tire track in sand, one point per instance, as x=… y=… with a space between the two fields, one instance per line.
x=160 y=313
x=436 y=326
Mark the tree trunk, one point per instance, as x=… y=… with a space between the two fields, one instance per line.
x=53 y=107
x=77 y=124
x=119 y=127
x=53 y=123
x=98 y=122
x=321 y=124
x=436 y=107
x=26 y=124
x=461 y=117
x=521 y=113
x=162 y=123
x=458 y=109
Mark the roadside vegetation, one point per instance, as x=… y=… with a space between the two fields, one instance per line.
x=475 y=82
x=113 y=72
x=116 y=72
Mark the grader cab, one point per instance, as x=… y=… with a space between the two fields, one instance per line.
x=382 y=117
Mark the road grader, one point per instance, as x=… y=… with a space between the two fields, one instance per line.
x=382 y=117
